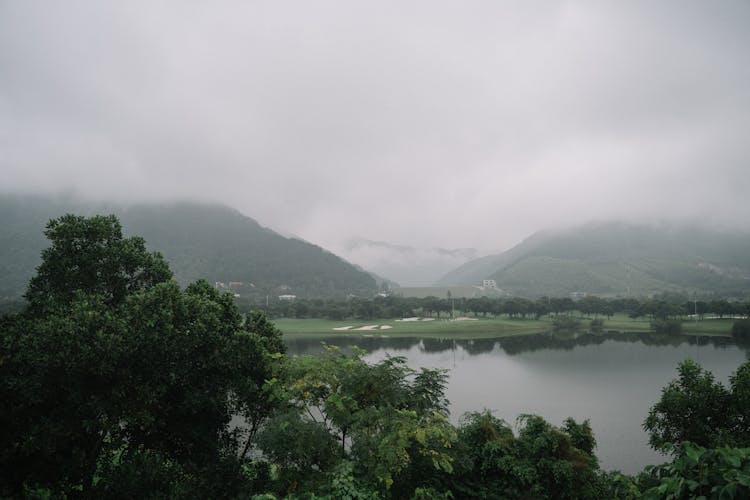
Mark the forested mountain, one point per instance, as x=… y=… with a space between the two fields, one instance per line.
x=617 y=258
x=199 y=241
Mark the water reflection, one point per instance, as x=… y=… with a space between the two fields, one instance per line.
x=510 y=345
x=610 y=378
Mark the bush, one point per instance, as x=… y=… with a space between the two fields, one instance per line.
x=741 y=329
x=670 y=326
x=565 y=323
x=597 y=325
x=699 y=472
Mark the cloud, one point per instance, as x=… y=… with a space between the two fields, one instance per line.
x=426 y=123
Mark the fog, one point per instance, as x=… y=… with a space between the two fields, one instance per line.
x=425 y=123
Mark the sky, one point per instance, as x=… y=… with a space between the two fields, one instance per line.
x=421 y=123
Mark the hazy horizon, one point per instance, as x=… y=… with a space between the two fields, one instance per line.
x=428 y=124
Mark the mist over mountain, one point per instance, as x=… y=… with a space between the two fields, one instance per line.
x=424 y=123
x=213 y=242
x=617 y=258
x=405 y=265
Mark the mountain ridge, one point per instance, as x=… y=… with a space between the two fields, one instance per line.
x=617 y=257
x=199 y=240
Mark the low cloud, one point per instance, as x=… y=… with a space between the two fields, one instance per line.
x=426 y=124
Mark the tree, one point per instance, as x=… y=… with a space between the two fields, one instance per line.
x=113 y=378
x=90 y=256
x=668 y=326
x=693 y=407
x=739 y=383
x=741 y=330
x=543 y=461
x=698 y=472
x=389 y=421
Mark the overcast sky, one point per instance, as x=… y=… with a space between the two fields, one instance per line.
x=425 y=123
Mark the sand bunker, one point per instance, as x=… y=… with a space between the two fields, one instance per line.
x=415 y=319
x=466 y=318
x=365 y=328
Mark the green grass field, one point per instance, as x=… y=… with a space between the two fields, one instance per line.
x=481 y=328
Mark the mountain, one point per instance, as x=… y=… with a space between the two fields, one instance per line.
x=213 y=242
x=617 y=258
x=405 y=265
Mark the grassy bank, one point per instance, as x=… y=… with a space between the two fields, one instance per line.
x=479 y=328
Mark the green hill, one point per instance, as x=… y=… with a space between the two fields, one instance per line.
x=617 y=259
x=213 y=242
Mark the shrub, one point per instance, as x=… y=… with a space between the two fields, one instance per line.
x=741 y=329
x=670 y=326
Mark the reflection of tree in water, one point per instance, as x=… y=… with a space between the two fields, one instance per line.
x=477 y=346
x=743 y=344
x=315 y=345
x=437 y=345
x=557 y=340
x=511 y=345
x=567 y=341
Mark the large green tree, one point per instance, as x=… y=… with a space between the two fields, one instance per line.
x=90 y=256
x=695 y=407
x=386 y=420
x=542 y=461
x=113 y=379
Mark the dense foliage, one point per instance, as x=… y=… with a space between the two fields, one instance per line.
x=694 y=407
x=388 y=421
x=698 y=472
x=543 y=461
x=116 y=382
x=113 y=379
x=741 y=330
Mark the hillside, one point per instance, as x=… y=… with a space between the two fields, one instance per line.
x=617 y=259
x=199 y=241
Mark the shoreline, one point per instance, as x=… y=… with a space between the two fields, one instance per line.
x=479 y=328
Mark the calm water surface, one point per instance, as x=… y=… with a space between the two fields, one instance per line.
x=611 y=379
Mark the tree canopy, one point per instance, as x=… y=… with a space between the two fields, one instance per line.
x=116 y=382
x=88 y=255
x=113 y=377
x=695 y=407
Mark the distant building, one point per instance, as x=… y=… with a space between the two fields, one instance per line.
x=287 y=297
x=577 y=295
x=220 y=285
x=234 y=284
x=489 y=284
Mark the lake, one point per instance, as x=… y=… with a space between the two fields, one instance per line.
x=612 y=379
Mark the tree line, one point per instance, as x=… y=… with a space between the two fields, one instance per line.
x=395 y=306
x=117 y=383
